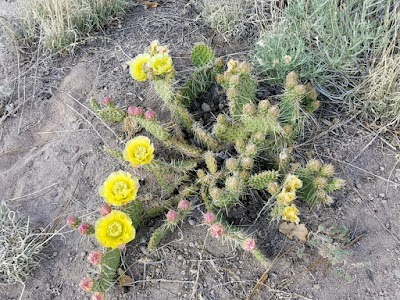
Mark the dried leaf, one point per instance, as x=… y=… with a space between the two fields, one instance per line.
x=150 y=4
x=123 y=279
x=293 y=230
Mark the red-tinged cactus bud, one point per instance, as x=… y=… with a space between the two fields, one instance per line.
x=73 y=222
x=107 y=100
x=249 y=244
x=84 y=228
x=338 y=183
x=216 y=230
x=150 y=114
x=95 y=257
x=172 y=216
x=183 y=205
x=209 y=218
x=105 y=210
x=86 y=284
x=135 y=111
x=98 y=296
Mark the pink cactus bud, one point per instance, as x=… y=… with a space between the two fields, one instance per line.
x=72 y=221
x=150 y=114
x=172 y=215
x=94 y=257
x=98 y=296
x=216 y=230
x=209 y=218
x=135 y=111
x=183 y=205
x=86 y=284
x=249 y=244
x=121 y=247
x=107 y=100
x=84 y=228
x=105 y=210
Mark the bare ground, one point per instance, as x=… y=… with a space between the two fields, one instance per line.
x=51 y=163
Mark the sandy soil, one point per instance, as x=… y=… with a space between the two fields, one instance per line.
x=51 y=162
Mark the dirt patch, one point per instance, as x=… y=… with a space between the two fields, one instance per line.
x=51 y=164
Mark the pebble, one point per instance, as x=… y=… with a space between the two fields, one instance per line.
x=397 y=273
x=144 y=250
x=192 y=221
x=143 y=240
x=382 y=168
x=382 y=195
x=74 y=149
x=179 y=257
x=205 y=107
x=316 y=286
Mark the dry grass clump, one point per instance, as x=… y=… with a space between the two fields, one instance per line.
x=239 y=19
x=19 y=247
x=378 y=96
x=59 y=23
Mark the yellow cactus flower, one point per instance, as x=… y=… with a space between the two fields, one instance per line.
x=139 y=151
x=161 y=64
x=290 y=213
x=285 y=198
x=119 y=188
x=114 y=229
x=293 y=183
x=137 y=67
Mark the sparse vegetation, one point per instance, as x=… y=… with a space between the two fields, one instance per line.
x=60 y=23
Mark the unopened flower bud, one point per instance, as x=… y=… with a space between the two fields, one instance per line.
x=232 y=164
x=232 y=183
x=247 y=163
x=249 y=109
x=244 y=67
x=135 y=111
x=240 y=145
x=200 y=173
x=150 y=114
x=264 y=105
x=314 y=165
x=327 y=170
x=320 y=183
x=259 y=137
x=209 y=218
x=273 y=188
x=105 y=210
x=215 y=193
x=172 y=216
x=86 y=284
x=216 y=230
x=94 y=257
x=183 y=205
x=249 y=244
x=98 y=296
x=232 y=64
x=235 y=79
x=107 y=100
x=292 y=79
x=84 y=228
x=288 y=129
x=251 y=150
x=273 y=111
x=287 y=59
x=72 y=221
x=338 y=183
x=300 y=89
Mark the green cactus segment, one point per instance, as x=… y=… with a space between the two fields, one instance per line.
x=114 y=153
x=202 y=55
x=110 y=262
x=161 y=207
x=211 y=162
x=317 y=183
x=135 y=211
x=226 y=199
x=154 y=128
x=238 y=236
x=164 y=89
x=261 y=180
x=240 y=86
x=184 y=148
x=204 y=137
x=229 y=132
x=165 y=228
x=109 y=113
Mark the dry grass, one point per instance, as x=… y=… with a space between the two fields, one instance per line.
x=59 y=23
x=239 y=19
x=19 y=247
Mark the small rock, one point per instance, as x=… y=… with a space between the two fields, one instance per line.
x=397 y=273
x=144 y=250
x=382 y=195
x=179 y=257
x=384 y=201
x=143 y=240
x=316 y=286
x=205 y=107
x=192 y=221
x=74 y=149
x=83 y=254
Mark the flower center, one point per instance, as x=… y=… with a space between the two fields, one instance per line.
x=140 y=152
x=114 y=229
x=119 y=188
